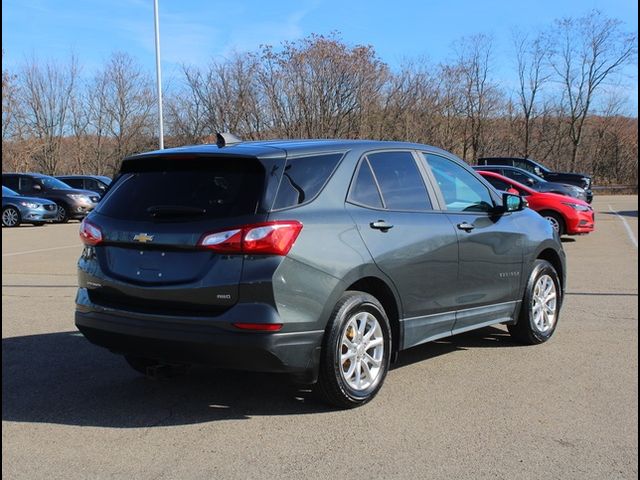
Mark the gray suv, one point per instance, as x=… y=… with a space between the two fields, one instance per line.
x=321 y=259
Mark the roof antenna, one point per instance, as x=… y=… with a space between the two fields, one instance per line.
x=226 y=138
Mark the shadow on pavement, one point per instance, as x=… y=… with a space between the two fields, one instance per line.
x=624 y=213
x=489 y=337
x=61 y=378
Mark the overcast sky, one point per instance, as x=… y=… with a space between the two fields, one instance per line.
x=196 y=31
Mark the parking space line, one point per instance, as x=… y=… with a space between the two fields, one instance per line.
x=626 y=226
x=77 y=245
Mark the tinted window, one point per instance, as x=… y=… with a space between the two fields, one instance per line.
x=364 y=190
x=26 y=184
x=400 y=181
x=53 y=183
x=175 y=190
x=462 y=191
x=11 y=182
x=303 y=178
x=523 y=164
x=498 y=184
x=74 y=182
x=518 y=177
x=495 y=161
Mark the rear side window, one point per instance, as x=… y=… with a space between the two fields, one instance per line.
x=400 y=181
x=185 y=189
x=364 y=190
x=303 y=178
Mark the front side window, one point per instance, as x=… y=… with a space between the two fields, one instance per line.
x=498 y=184
x=400 y=181
x=303 y=178
x=462 y=191
x=520 y=177
x=523 y=164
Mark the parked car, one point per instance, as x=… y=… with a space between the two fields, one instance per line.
x=536 y=182
x=566 y=215
x=321 y=259
x=94 y=183
x=578 y=179
x=17 y=209
x=72 y=203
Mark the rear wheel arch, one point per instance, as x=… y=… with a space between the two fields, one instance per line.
x=379 y=289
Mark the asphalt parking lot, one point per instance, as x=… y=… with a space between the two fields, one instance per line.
x=474 y=406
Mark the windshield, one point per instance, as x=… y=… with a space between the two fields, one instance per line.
x=7 y=192
x=51 y=182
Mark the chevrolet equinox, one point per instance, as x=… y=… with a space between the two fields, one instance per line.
x=320 y=258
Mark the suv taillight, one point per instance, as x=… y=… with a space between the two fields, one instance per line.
x=270 y=238
x=90 y=234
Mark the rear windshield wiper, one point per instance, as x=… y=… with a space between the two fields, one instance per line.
x=158 y=211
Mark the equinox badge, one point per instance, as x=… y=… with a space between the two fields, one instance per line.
x=143 y=238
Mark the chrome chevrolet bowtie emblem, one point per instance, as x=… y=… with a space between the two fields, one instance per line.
x=143 y=238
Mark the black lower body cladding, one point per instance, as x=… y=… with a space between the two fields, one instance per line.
x=206 y=341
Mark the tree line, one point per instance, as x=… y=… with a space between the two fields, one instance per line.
x=565 y=109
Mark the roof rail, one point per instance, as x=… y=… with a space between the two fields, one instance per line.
x=225 y=138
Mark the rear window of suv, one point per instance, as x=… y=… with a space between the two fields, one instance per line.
x=304 y=177
x=166 y=189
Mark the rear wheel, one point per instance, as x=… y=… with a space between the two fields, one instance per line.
x=63 y=213
x=10 y=217
x=356 y=351
x=540 y=306
x=556 y=221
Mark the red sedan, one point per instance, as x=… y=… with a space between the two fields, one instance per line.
x=568 y=215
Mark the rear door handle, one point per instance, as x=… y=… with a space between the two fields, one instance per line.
x=381 y=225
x=466 y=226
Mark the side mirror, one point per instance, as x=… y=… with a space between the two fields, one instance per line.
x=531 y=181
x=37 y=187
x=513 y=203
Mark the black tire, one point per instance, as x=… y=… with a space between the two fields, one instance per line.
x=63 y=213
x=556 y=221
x=141 y=364
x=11 y=217
x=525 y=330
x=332 y=386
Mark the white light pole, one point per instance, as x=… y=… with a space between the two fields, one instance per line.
x=158 y=74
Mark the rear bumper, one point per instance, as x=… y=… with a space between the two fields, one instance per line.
x=206 y=341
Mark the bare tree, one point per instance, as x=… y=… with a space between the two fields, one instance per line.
x=530 y=57
x=589 y=50
x=479 y=92
x=127 y=107
x=46 y=91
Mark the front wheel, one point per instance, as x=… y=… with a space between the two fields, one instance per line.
x=540 y=306
x=10 y=217
x=556 y=221
x=356 y=351
x=62 y=215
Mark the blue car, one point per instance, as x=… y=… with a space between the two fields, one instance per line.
x=17 y=209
